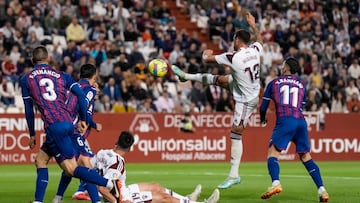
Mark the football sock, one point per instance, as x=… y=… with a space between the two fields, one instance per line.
x=178 y=196
x=93 y=192
x=58 y=197
x=90 y=175
x=81 y=187
x=273 y=168
x=41 y=184
x=314 y=172
x=63 y=184
x=236 y=153
x=205 y=78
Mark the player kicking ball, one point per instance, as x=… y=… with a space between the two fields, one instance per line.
x=243 y=83
x=289 y=95
x=111 y=163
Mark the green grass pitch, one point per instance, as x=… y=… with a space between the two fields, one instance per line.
x=342 y=180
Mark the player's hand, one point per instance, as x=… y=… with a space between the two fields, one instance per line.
x=263 y=123
x=32 y=142
x=98 y=127
x=207 y=53
x=250 y=19
x=82 y=126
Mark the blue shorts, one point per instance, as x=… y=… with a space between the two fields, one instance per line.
x=291 y=129
x=58 y=141
x=81 y=145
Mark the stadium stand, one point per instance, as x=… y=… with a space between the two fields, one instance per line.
x=121 y=36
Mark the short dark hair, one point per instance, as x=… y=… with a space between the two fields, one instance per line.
x=243 y=35
x=40 y=53
x=125 y=140
x=87 y=70
x=294 y=65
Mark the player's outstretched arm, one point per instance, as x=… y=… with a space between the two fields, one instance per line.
x=251 y=20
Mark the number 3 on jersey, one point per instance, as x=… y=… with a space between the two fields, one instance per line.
x=286 y=92
x=50 y=93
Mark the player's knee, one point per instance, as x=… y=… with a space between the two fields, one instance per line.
x=40 y=162
x=239 y=129
x=69 y=166
x=304 y=157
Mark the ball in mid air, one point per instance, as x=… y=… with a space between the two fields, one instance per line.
x=158 y=67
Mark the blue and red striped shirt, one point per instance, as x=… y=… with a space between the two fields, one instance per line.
x=73 y=106
x=47 y=88
x=289 y=95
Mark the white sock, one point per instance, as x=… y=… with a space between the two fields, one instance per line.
x=275 y=183
x=182 y=199
x=321 y=190
x=209 y=79
x=36 y=202
x=58 y=197
x=236 y=154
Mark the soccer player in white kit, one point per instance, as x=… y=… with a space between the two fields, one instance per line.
x=111 y=164
x=244 y=84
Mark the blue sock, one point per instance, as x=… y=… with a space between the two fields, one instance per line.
x=314 y=172
x=63 y=184
x=90 y=176
x=273 y=168
x=81 y=187
x=93 y=192
x=41 y=183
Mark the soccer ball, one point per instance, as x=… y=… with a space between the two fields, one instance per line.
x=158 y=67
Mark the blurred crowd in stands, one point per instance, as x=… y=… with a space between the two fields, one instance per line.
x=121 y=36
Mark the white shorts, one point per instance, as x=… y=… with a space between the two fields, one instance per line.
x=139 y=196
x=243 y=111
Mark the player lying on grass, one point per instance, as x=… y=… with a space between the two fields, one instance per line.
x=243 y=83
x=111 y=163
x=289 y=95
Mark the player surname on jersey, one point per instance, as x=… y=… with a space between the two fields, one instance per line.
x=253 y=57
x=44 y=72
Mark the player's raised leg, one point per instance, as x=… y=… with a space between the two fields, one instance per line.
x=204 y=78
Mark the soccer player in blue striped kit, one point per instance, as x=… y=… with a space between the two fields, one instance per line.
x=47 y=88
x=88 y=76
x=289 y=95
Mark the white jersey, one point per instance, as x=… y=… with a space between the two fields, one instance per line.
x=112 y=166
x=245 y=71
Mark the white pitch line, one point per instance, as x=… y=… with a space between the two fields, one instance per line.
x=163 y=173
x=224 y=174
